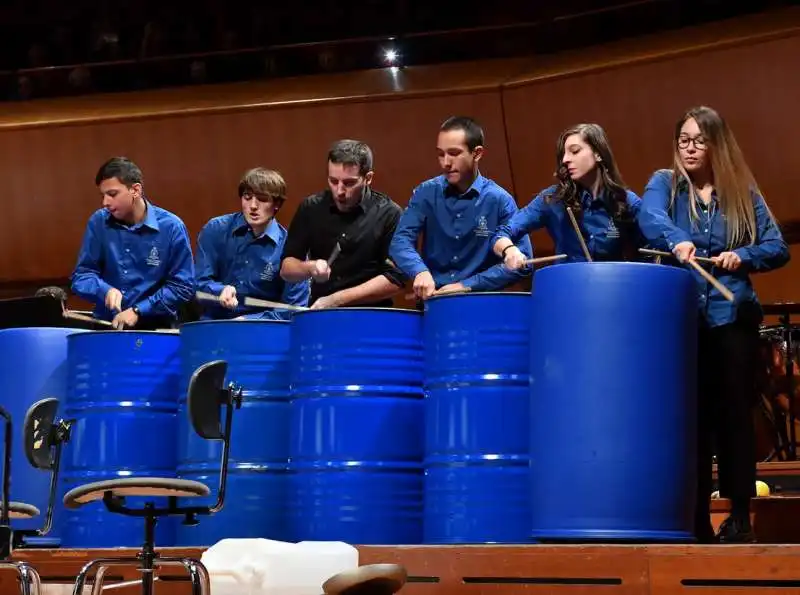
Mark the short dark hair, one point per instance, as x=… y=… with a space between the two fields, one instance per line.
x=473 y=133
x=351 y=152
x=122 y=168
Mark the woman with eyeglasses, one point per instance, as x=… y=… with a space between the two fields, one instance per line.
x=709 y=205
x=590 y=185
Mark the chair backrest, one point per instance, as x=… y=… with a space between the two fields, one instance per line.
x=205 y=397
x=37 y=433
x=372 y=579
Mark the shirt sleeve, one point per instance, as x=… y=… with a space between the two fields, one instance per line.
x=402 y=249
x=207 y=259
x=178 y=286
x=298 y=239
x=86 y=281
x=498 y=276
x=523 y=221
x=769 y=251
x=655 y=221
x=388 y=268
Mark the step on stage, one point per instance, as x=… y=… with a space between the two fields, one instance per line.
x=499 y=570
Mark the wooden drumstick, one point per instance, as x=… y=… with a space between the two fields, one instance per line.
x=670 y=255
x=544 y=259
x=249 y=301
x=412 y=296
x=85 y=318
x=726 y=293
x=259 y=303
x=579 y=234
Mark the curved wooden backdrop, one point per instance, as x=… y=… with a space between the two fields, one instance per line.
x=194 y=143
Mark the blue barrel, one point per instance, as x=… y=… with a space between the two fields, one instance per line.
x=257 y=352
x=33 y=366
x=123 y=394
x=357 y=426
x=477 y=392
x=613 y=402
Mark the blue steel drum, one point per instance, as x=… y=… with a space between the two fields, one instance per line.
x=257 y=352
x=123 y=394
x=476 y=418
x=357 y=426
x=613 y=402
x=33 y=366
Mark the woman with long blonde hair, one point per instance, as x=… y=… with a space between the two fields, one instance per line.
x=709 y=205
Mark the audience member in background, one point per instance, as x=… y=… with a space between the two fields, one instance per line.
x=458 y=213
x=709 y=205
x=239 y=254
x=339 y=238
x=135 y=263
x=590 y=184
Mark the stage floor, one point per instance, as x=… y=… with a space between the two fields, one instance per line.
x=499 y=570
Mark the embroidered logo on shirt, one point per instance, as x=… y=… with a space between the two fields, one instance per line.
x=612 y=231
x=268 y=274
x=152 y=259
x=482 y=227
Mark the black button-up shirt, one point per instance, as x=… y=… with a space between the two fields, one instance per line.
x=364 y=234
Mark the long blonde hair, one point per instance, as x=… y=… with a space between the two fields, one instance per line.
x=733 y=180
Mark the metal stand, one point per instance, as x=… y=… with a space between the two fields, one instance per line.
x=787 y=337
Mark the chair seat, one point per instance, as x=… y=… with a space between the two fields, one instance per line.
x=134 y=486
x=20 y=510
x=372 y=578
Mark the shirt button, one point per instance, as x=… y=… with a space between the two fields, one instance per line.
x=455 y=258
x=458 y=216
x=458 y=237
x=125 y=272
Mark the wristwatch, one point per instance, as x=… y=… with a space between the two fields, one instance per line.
x=136 y=310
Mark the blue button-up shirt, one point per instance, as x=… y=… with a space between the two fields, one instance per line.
x=665 y=226
x=228 y=253
x=149 y=262
x=458 y=231
x=602 y=237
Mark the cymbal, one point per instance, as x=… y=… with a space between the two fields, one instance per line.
x=372 y=579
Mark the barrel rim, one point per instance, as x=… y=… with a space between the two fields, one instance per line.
x=477 y=293
x=233 y=321
x=358 y=308
x=129 y=331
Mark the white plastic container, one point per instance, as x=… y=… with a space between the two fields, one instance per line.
x=267 y=567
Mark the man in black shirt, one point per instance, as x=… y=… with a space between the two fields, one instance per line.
x=340 y=237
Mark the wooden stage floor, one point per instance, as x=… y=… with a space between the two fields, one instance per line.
x=499 y=570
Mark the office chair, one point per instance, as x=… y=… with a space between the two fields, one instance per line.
x=43 y=438
x=206 y=397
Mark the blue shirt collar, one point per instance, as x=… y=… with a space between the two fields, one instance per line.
x=474 y=190
x=150 y=219
x=272 y=231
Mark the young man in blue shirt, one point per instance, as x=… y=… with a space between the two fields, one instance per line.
x=458 y=213
x=135 y=263
x=239 y=254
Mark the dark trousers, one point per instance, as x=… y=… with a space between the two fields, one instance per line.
x=727 y=393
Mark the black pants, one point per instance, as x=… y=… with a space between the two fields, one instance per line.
x=727 y=393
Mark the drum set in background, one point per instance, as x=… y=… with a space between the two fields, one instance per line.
x=775 y=416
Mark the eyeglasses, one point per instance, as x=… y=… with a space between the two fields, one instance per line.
x=699 y=142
